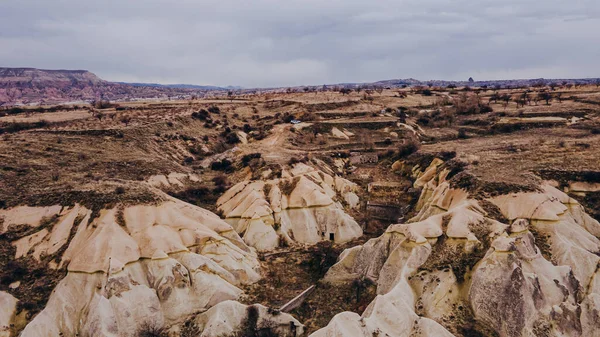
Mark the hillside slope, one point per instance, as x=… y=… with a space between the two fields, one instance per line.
x=24 y=86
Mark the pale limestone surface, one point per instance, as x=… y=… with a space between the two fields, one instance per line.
x=8 y=306
x=130 y=265
x=578 y=186
x=230 y=317
x=337 y=133
x=173 y=179
x=513 y=289
x=25 y=215
x=303 y=207
x=535 y=275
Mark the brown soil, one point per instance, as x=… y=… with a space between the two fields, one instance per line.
x=288 y=272
x=104 y=159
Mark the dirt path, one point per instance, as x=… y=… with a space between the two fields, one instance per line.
x=273 y=148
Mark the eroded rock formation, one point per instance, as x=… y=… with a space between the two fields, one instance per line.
x=129 y=267
x=230 y=318
x=516 y=264
x=8 y=307
x=304 y=206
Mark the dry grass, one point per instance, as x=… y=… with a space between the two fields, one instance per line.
x=103 y=157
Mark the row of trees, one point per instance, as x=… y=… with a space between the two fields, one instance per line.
x=428 y=87
x=526 y=98
x=345 y=90
x=538 y=85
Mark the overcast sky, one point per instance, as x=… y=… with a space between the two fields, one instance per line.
x=261 y=43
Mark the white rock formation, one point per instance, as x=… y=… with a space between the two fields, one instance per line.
x=25 y=215
x=173 y=179
x=304 y=206
x=147 y=263
x=452 y=266
x=230 y=318
x=8 y=306
x=341 y=134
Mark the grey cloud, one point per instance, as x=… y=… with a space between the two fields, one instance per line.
x=274 y=43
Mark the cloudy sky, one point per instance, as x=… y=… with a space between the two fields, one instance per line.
x=260 y=43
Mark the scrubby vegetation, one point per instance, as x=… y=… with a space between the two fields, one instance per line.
x=151 y=329
x=120 y=150
x=21 y=126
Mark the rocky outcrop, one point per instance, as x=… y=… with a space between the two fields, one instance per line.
x=30 y=85
x=173 y=179
x=130 y=265
x=8 y=308
x=389 y=261
x=341 y=134
x=232 y=318
x=517 y=264
x=304 y=206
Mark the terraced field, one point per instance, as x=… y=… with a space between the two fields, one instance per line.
x=449 y=212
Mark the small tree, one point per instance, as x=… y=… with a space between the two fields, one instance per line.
x=522 y=99
x=125 y=120
x=151 y=329
x=360 y=285
x=494 y=97
x=505 y=98
x=545 y=96
x=101 y=104
x=518 y=100
x=558 y=96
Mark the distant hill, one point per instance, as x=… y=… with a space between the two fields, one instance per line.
x=26 y=86
x=486 y=83
x=411 y=82
x=41 y=76
x=182 y=86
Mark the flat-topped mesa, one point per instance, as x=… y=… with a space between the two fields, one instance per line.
x=517 y=264
x=129 y=265
x=43 y=76
x=303 y=206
